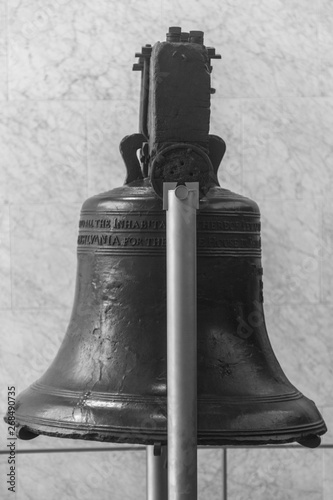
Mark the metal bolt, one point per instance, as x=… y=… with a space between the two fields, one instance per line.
x=181 y=192
x=174 y=34
x=196 y=37
x=175 y=29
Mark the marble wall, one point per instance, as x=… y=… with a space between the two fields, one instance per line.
x=68 y=96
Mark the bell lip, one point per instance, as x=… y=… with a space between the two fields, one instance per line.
x=49 y=427
x=208 y=438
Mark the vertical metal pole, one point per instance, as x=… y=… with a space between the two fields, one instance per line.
x=182 y=342
x=157 y=474
x=225 y=475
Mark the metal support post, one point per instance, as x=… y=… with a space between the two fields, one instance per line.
x=182 y=204
x=157 y=473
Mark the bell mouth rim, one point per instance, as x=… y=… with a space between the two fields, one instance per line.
x=36 y=427
x=48 y=422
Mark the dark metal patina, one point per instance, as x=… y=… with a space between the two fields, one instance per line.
x=108 y=380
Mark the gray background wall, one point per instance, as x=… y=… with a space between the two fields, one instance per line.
x=68 y=96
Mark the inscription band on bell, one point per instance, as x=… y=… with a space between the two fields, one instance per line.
x=146 y=232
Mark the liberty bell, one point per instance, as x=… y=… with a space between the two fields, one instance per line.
x=108 y=380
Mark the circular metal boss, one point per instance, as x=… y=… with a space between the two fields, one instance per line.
x=182 y=163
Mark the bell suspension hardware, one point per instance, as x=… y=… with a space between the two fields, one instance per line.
x=108 y=381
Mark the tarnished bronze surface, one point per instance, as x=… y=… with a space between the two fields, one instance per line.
x=108 y=381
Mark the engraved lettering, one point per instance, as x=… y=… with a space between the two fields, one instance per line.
x=117 y=224
x=158 y=224
x=131 y=241
x=86 y=223
x=215 y=242
x=155 y=242
x=224 y=225
x=116 y=241
x=218 y=233
x=143 y=241
x=105 y=224
x=138 y=224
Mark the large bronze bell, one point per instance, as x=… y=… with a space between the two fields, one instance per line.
x=108 y=380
